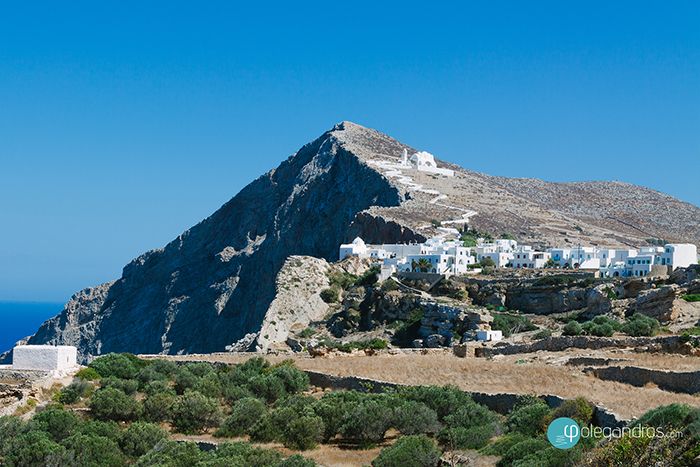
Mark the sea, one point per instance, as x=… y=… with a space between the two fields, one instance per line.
x=21 y=319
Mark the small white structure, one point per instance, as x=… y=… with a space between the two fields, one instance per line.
x=356 y=248
x=489 y=335
x=44 y=357
x=424 y=162
x=679 y=255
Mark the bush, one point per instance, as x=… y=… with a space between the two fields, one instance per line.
x=509 y=323
x=670 y=416
x=99 y=428
x=691 y=297
x=409 y=451
x=502 y=444
x=467 y=438
x=641 y=325
x=443 y=400
x=149 y=375
x=209 y=385
x=572 y=328
x=140 y=438
x=56 y=422
x=113 y=404
x=87 y=374
x=75 y=391
x=94 y=450
x=601 y=326
x=297 y=461
x=184 y=380
x=528 y=417
x=264 y=430
x=244 y=414
x=158 y=387
x=367 y=422
x=10 y=428
x=158 y=407
x=194 y=412
x=243 y=454
x=172 y=454
x=330 y=295
x=267 y=387
x=34 y=449
x=543 y=334
x=332 y=408
x=522 y=449
x=470 y=415
x=303 y=432
x=293 y=379
x=578 y=409
x=127 y=386
x=165 y=367
x=412 y=418
x=119 y=365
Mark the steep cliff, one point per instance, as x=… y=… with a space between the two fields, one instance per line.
x=214 y=283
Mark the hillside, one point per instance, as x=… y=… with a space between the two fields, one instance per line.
x=213 y=284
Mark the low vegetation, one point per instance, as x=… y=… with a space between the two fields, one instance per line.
x=511 y=323
x=269 y=403
x=603 y=326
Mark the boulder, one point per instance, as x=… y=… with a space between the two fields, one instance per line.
x=434 y=341
x=659 y=303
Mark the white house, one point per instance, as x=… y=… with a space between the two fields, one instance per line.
x=44 y=357
x=526 y=257
x=424 y=162
x=489 y=335
x=679 y=255
x=356 y=248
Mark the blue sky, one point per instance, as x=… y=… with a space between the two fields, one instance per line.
x=124 y=123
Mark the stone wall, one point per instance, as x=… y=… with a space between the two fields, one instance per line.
x=685 y=382
x=560 y=343
x=501 y=403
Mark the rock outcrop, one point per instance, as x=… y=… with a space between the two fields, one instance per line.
x=214 y=283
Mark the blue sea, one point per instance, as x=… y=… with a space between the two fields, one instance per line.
x=20 y=319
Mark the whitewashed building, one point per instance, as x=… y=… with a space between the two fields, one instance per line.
x=679 y=255
x=44 y=357
x=425 y=162
x=526 y=257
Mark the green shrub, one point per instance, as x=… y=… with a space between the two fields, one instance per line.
x=293 y=379
x=165 y=367
x=244 y=454
x=194 y=412
x=641 y=325
x=578 y=409
x=528 y=417
x=389 y=285
x=94 y=450
x=502 y=444
x=367 y=422
x=87 y=374
x=150 y=374
x=10 y=428
x=443 y=400
x=184 y=380
x=119 y=365
x=509 y=323
x=158 y=407
x=34 y=449
x=244 y=414
x=691 y=297
x=172 y=454
x=75 y=391
x=368 y=278
x=601 y=326
x=331 y=294
x=523 y=449
x=264 y=430
x=55 y=421
x=209 y=385
x=113 y=404
x=475 y=437
x=333 y=407
x=470 y=415
x=409 y=451
x=572 y=328
x=550 y=457
x=303 y=432
x=297 y=461
x=127 y=386
x=267 y=387
x=158 y=387
x=108 y=429
x=412 y=418
x=307 y=332
x=671 y=416
x=543 y=334
x=140 y=438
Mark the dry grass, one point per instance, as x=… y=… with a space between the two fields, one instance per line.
x=501 y=375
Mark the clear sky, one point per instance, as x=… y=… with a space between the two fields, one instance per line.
x=123 y=123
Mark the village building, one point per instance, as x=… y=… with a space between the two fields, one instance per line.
x=44 y=357
x=425 y=162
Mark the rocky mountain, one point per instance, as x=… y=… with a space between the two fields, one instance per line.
x=214 y=283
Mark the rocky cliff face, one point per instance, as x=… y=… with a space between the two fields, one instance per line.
x=213 y=284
